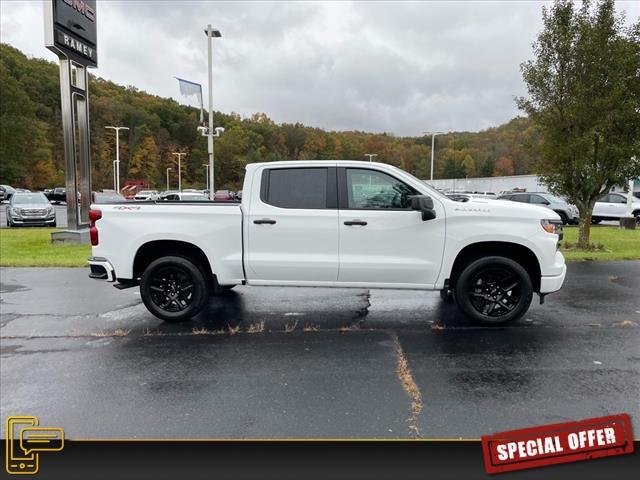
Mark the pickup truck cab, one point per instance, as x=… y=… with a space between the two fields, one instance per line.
x=331 y=224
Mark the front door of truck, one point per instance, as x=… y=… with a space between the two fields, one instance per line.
x=293 y=226
x=381 y=239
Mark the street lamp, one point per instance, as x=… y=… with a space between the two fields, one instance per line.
x=168 y=168
x=206 y=169
x=179 y=155
x=116 y=171
x=370 y=155
x=433 y=138
x=211 y=33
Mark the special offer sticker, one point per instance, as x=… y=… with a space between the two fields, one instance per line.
x=557 y=443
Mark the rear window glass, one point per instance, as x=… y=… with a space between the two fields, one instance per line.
x=297 y=188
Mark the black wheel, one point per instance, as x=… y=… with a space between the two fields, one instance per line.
x=595 y=220
x=563 y=218
x=636 y=214
x=174 y=289
x=494 y=291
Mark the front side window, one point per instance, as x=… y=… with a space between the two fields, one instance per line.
x=615 y=198
x=372 y=190
x=304 y=188
x=520 y=198
x=538 y=200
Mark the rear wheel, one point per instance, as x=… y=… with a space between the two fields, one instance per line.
x=494 y=291
x=595 y=220
x=174 y=289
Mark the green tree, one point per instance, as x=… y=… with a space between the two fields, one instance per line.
x=584 y=95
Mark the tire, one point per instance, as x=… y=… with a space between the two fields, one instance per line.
x=494 y=291
x=163 y=286
x=595 y=220
x=636 y=214
x=563 y=218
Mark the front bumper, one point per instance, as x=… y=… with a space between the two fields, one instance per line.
x=101 y=269
x=44 y=221
x=549 y=284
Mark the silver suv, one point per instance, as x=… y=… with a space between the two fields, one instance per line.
x=568 y=213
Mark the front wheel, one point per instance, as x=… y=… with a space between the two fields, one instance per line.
x=494 y=291
x=174 y=289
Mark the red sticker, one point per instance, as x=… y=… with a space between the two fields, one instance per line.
x=557 y=443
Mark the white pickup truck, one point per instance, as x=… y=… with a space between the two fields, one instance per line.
x=331 y=224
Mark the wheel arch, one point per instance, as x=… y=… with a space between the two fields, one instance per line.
x=519 y=253
x=150 y=251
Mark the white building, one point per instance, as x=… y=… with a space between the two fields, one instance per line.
x=529 y=183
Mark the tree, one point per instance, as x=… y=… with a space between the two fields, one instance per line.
x=503 y=167
x=584 y=95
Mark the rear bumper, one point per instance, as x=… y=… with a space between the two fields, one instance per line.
x=101 y=269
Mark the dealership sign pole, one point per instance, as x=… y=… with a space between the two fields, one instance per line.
x=70 y=32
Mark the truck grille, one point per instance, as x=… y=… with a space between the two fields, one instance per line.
x=33 y=212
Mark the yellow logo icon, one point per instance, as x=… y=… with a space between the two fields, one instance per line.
x=25 y=441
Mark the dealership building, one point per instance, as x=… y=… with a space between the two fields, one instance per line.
x=529 y=183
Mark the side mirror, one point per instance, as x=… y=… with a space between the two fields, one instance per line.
x=424 y=204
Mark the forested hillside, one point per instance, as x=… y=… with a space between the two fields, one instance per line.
x=31 y=149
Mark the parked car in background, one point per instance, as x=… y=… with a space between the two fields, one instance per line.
x=162 y=195
x=57 y=195
x=613 y=206
x=146 y=195
x=6 y=192
x=23 y=190
x=239 y=194
x=30 y=209
x=107 y=197
x=224 y=196
x=568 y=213
x=181 y=196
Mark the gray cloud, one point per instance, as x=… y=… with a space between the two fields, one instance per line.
x=375 y=66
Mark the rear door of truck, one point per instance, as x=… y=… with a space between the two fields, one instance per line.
x=293 y=225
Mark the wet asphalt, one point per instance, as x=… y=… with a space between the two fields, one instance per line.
x=314 y=362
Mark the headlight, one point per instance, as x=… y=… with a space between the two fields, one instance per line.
x=50 y=210
x=552 y=226
x=15 y=211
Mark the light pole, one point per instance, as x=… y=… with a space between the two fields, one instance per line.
x=370 y=155
x=179 y=155
x=206 y=169
x=116 y=184
x=211 y=33
x=433 y=139
x=168 y=168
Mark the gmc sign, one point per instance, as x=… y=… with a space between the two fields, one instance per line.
x=70 y=29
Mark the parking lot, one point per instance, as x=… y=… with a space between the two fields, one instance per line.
x=313 y=362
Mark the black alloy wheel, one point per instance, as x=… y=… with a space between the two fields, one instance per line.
x=174 y=289
x=494 y=290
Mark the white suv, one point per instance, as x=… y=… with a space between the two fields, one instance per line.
x=613 y=206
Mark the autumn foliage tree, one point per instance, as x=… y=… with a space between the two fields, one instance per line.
x=584 y=96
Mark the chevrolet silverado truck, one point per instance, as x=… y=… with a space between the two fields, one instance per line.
x=331 y=224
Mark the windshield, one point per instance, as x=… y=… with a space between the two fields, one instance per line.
x=20 y=198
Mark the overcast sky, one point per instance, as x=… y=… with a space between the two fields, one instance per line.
x=374 y=66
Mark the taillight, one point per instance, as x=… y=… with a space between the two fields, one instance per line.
x=94 y=215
